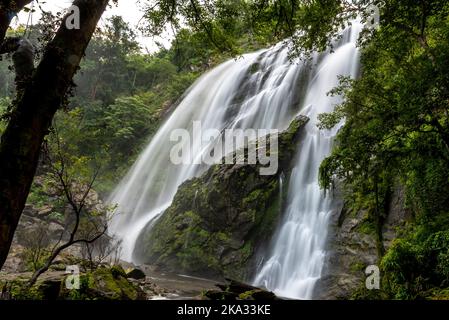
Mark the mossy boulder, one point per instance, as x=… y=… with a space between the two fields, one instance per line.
x=100 y=284
x=104 y=284
x=135 y=273
x=217 y=221
x=234 y=290
x=16 y=286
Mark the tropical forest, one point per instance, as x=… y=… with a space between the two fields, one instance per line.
x=238 y=150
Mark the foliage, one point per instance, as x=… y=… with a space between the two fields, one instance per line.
x=36 y=247
x=4 y=104
x=417 y=264
x=105 y=71
x=222 y=25
x=104 y=284
x=217 y=221
x=100 y=284
x=396 y=123
x=397 y=130
x=122 y=94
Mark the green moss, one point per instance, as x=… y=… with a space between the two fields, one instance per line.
x=253 y=196
x=417 y=265
x=254 y=68
x=117 y=271
x=267 y=221
x=357 y=266
x=437 y=294
x=103 y=284
x=367 y=227
x=19 y=290
x=216 y=221
x=248 y=295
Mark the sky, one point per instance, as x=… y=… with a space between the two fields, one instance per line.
x=130 y=10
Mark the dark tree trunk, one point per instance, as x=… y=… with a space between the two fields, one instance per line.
x=32 y=116
x=9 y=8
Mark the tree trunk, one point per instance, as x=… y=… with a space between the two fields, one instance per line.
x=9 y=8
x=33 y=113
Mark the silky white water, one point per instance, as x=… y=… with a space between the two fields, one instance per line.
x=261 y=90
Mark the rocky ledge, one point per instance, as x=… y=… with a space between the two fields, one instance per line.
x=103 y=283
x=235 y=290
x=217 y=221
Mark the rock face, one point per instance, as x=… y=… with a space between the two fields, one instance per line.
x=104 y=284
x=135 y=273
x=100 y=284
x=353 y=246
x=217 y=221
x=351 y=249
x=42 y=226
x=234 y=290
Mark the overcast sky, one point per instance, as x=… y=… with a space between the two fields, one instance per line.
x=130 y=10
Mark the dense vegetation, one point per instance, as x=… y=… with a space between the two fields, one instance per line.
x=396 y=130
x=121 y=95
x=118 y=101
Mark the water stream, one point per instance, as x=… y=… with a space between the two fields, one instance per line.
x=261 y=90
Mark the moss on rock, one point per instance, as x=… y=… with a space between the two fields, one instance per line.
x=216 y=221
x=103 y=284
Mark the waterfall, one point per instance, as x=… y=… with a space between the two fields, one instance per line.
x=296 y=255
x=261 y=90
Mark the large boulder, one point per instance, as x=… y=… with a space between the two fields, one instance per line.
x=235 y=290
x=217 y=221
x=135 y=273
x=104 y=284
x=100 y=284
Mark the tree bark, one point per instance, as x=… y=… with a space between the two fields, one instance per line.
x=9 y=8
x=33 y=113
x=23 y=58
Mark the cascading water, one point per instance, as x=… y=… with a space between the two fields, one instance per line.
x=296 y=256
x=262 y=90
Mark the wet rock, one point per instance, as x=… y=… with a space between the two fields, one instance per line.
x=235 y=290
x=397 y=218
x=217 y=221
x=353 y=245
x=135 y=274
x=14 y=263
x=45 y=211
x=104 y=284
x=100 y=284
x=220 y=295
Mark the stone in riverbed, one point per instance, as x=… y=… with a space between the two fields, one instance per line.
x=135 y=274
x=235 y=290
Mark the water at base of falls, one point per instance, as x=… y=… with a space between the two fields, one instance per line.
x=262 y=90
